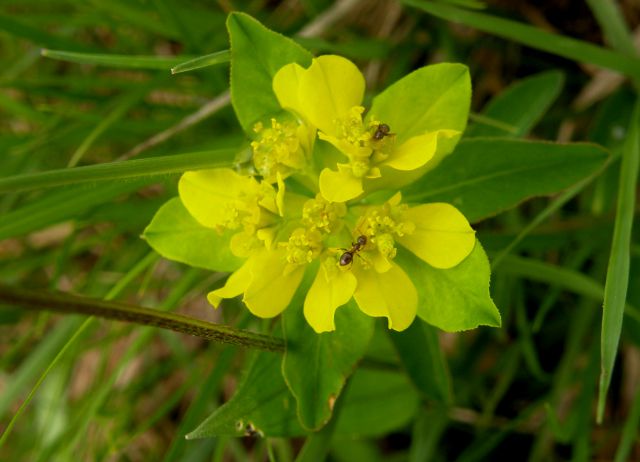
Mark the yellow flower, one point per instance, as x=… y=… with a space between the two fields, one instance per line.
x=278 y=235
x=436 y=233
x=282 y=236
x=328 y=95
x=222 y=199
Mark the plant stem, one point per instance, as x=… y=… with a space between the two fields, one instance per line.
x=66 y=303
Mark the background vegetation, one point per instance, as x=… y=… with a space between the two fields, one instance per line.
x=89 y=83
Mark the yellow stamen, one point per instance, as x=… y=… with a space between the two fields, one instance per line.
x=303 y=246
x=277 y=149
x=323 y=215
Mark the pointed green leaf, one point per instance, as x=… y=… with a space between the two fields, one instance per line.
x=316 y=366
x=486 y=176
x=458 y=298
x=176 y=235
x=257 y=53
x=615 y=289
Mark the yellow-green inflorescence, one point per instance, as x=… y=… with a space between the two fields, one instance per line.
x=366 y=145
x=280 y=234
x=279 y=149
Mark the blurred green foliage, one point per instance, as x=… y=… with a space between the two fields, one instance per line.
x=103 y=390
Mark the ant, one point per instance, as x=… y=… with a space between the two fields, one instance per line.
x=381 y=131
x=347 y=256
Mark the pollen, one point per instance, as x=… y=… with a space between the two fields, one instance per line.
x=351 y=128
x=232 y=218
x=303 y=246
x=382 y=225
x=366 y=144
x=277 y=149
x=320 y=214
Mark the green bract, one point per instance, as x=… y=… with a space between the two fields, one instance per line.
x=330 y=240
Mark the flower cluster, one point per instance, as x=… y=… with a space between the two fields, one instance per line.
x=310 y=206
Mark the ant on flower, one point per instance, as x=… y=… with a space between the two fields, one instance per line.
x=347 y=257
x=382 y=130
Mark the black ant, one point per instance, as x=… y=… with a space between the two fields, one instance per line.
x=347 y=256
x=381 y=131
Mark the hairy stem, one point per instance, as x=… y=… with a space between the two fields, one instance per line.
x=66 y=303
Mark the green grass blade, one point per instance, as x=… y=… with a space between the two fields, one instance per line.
x=210 y=387
x=119 y=170
x=18 y=109
x=428 y=429
x=613 y=25
x=520 y=106
x=615 y=290
x=556 y=44
x=482 y=447
x=36 y=362
x=629 y=431
x=424 y=361
x=43 y=376
x=170 y=14
x=122 y=105
x=473 y=4
x=36 y=35
x=120 y=286
x=163 y=63
x=62 y=205
x=213 y=59
x=549 y=210
x=557 y=276
x=134 y=14
x=483 y=120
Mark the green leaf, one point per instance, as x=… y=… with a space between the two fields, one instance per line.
x=257 y=53
x=423 y=360
x=521 y=105
x=535 y=37
x=262 y=403
x=428 y=100
x=615 y=289
x=316 y=366
x=458 y=298
x=212 y=59
x=484 y=177
x=431 y=98
x=376 y=403
x=176 y=235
